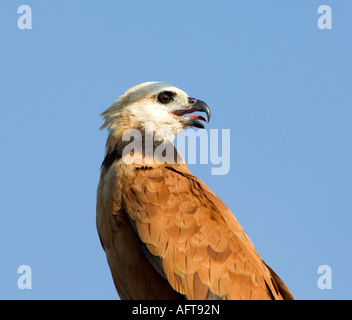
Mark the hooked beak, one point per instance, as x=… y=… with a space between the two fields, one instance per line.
x=193 y=106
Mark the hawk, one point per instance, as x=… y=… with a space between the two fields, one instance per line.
x=166 y=235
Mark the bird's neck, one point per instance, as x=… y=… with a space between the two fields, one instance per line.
x=140 y=146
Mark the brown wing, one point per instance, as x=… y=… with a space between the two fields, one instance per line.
x=193 y=239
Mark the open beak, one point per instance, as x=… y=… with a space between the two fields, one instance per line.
x=194 y=106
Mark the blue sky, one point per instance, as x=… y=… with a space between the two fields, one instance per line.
x=269 y=74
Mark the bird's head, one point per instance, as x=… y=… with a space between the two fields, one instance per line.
x=155 y=102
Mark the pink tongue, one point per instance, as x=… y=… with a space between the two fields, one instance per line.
x=197 y=118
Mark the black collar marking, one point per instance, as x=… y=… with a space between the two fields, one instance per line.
x=110 y=159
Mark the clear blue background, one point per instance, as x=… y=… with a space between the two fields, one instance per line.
x=280 y=84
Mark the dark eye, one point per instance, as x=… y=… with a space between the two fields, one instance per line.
x=165 y=97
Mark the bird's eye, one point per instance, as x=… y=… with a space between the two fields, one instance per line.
x=165 y=97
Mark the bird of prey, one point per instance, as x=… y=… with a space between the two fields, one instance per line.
x=166 y=235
